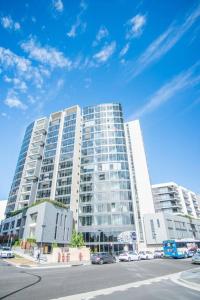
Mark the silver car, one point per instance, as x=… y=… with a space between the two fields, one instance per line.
x=6 y=252
x=196 y=258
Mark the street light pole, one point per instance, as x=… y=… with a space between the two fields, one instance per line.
x=99 y=238
x=43 y=226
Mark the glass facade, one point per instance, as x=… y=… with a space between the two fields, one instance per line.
x=48 y=162
x=105 y=202
x=14 y=191
x=64 y=176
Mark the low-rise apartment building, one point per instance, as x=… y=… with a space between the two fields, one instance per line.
x=164 y=226
x=172 y=198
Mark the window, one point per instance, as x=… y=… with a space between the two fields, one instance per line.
x=86 y=221
x=152 y=229
x=55 y=234
x=158 y=223
x=102 y=176
x=34 y=217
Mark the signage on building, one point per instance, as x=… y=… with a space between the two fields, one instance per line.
x=127 y=237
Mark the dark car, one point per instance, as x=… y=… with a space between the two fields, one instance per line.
x=102 y=258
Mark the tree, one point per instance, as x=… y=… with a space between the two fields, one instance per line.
x=77 y=240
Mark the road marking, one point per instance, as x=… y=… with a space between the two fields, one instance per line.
x=119 y=288
x=188 y=284
x=175 y=277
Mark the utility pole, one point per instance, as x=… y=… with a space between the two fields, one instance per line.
x=43 y=226
x=99 y=238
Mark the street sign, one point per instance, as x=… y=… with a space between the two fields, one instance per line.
x=127 y=237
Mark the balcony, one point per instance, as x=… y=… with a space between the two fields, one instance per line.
x=41 y=130
x=36 y=156
x=30 y=178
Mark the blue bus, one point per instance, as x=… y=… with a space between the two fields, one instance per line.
x=180 y=248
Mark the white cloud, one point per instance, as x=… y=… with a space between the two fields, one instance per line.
x=88 y=82
x=101 y=34
x=33 y=19
x=21 y=67
x=18 y=84
x=78 y=23
x=135 y=26
x=60 y=83
x=8 y=23
x=13 y=101
x=3 y=114
x=46 y=55
x=124 y=50
x=164 y=43
x=58 y=5
x=106 y=52
x=185 y=80
x=72 y=32
x=17 y=26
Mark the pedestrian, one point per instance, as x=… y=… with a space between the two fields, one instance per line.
x=38 y=255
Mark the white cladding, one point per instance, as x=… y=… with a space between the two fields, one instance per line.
x=3 y=204
x=170 y=197
x=163 y=226
x=141 y=186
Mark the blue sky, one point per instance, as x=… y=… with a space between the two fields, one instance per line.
x=144 y=54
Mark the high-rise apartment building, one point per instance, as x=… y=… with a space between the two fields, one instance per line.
x=172 y=198
x=49 y=160
x=94 y=163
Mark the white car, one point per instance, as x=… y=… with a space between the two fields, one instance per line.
x=129 y=256
x=6 y=252
x=146 y=255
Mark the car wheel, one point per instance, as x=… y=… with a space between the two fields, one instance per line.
x=101 y=262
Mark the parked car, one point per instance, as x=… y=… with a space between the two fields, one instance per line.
x=129 y=256
x=158 y=254
x=6 y=252
x=102 y=258
x=192 y=251
x=146 y=255
x=196 y=258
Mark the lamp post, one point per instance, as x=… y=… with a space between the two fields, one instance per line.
x=43 y=226
x=154 y=236
x=99 y=238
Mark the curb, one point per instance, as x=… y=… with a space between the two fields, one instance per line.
x=185 y=283
x=42 y=266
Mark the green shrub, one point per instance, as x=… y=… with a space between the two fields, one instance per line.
x=77 y=240
x=31 y=240
x=54 y=245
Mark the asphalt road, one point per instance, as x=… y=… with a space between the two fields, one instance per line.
x=62 y=282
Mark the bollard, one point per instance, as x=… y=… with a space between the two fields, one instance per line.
x=58 y=256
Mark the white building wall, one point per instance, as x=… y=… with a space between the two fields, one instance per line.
x=76 y=168
x=3 y=204
x=188 y=199
x=140 y=180
x=169 y=226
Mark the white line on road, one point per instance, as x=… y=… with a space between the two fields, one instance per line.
x=90 y=295
x=185 y=283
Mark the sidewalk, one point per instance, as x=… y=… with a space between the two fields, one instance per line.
x=24 y=262
x=21 y=261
